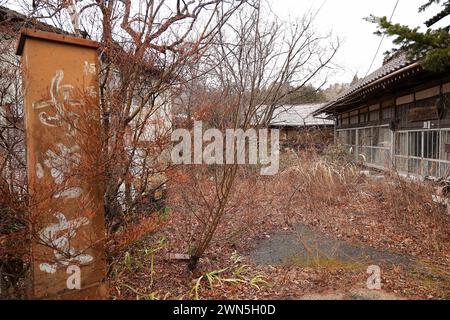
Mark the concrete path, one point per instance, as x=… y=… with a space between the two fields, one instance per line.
x=306 y=248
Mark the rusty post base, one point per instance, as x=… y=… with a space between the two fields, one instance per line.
x=97 y=291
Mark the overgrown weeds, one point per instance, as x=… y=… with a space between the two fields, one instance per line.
x=235 y=274
x=330 y=196
x=397 y=208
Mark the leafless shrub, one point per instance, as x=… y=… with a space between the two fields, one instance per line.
x=335 y=190
x=245 y=72
x=146 y=47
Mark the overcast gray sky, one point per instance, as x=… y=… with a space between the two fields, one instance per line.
x=345 y=19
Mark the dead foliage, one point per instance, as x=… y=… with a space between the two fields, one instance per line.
x=332 y=197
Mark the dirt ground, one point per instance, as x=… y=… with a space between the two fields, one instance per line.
x=274 y=247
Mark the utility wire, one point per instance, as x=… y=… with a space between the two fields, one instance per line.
x=381 y=41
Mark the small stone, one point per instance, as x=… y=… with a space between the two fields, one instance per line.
x=178 y=256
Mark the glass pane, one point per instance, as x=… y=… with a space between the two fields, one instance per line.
x=431 y=145
x=375 y=136
x=353 y=137
x=431 y=168
x=375 y=115
x=388 y=113
x=415 y=144
x=377 y=157
x=414 y=166
x=444 y=170
x=381 y=157
x=369 y=136
x=368 y=154
x=363 y=117
x=445 y=141
x=364 y=137
x=401 y=144
x=401 y=164
x=348 y=138
x=341 y=137
x=384 y=138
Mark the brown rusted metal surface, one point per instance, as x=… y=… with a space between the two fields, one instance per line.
x=26 y=33
x=63 y=153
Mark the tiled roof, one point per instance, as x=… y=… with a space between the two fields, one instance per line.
x=395 y=64
x=299 y=116
x=390 y=67
x=13 y=21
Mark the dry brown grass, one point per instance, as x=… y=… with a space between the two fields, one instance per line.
x=397 y=211
x=329 y=196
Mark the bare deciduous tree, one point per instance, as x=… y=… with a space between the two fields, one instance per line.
x=146 y=47
x=245 y=70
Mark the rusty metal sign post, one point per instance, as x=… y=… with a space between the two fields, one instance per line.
x=62 y=118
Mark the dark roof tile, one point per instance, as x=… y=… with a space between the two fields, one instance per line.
x=393 y=65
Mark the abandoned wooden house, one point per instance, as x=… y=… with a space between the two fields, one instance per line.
x=300 y=128
x=397 y=117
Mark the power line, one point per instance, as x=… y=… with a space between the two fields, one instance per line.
x=381 y=41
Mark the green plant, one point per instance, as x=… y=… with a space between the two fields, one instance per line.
x=151 y=252
x=211 y=277
x=236 y=258
x=239 y=275
x=152 y=296
x=164 y=214
x=128 y=261
x=140 y=295
x=257 y=280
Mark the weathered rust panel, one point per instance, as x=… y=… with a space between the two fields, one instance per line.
x=93 y=292
x=63 y=154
